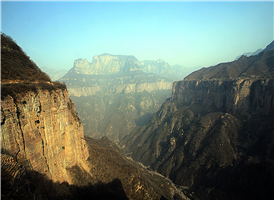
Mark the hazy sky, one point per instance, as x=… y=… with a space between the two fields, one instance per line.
x=191 y=34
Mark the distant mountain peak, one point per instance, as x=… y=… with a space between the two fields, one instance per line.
x=270 y=46
x=260 y=65
x=250 y=53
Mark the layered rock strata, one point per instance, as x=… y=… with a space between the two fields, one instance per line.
x=43 y=131
x=124 y=89
x=241 y=96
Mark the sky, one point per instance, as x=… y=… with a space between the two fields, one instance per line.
x=192 y=34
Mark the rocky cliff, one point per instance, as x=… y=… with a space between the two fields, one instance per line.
x=42 y=130
x=240 y=97
x=129 y=83
x=107 y=64
x=213 y=137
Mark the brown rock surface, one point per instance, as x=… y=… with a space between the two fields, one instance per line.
x=43 y=131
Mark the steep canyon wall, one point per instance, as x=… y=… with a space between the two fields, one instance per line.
x=41 y=130
x=240 y=96
x=212 y=133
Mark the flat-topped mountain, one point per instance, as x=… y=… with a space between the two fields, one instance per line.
x=105 y=64
x=113 y=94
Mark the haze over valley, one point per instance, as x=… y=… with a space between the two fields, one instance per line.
x=137 y=100
x=114 y=93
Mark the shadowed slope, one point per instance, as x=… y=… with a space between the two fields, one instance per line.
x=261 y=65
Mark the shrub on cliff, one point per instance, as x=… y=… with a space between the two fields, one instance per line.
x=14 y=89
x=16 y=65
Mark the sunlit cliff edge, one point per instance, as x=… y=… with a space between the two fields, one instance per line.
x=39 y=125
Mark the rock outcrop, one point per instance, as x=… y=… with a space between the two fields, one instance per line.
x=107 y=64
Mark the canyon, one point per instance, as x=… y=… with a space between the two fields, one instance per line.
x=45 y=154
x=214 y=136
x=209 y=136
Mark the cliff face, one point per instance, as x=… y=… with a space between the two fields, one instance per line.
x=43 y=131
x=241 y=96
x=191 y=101
x=213 y=133
x=106 y=64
